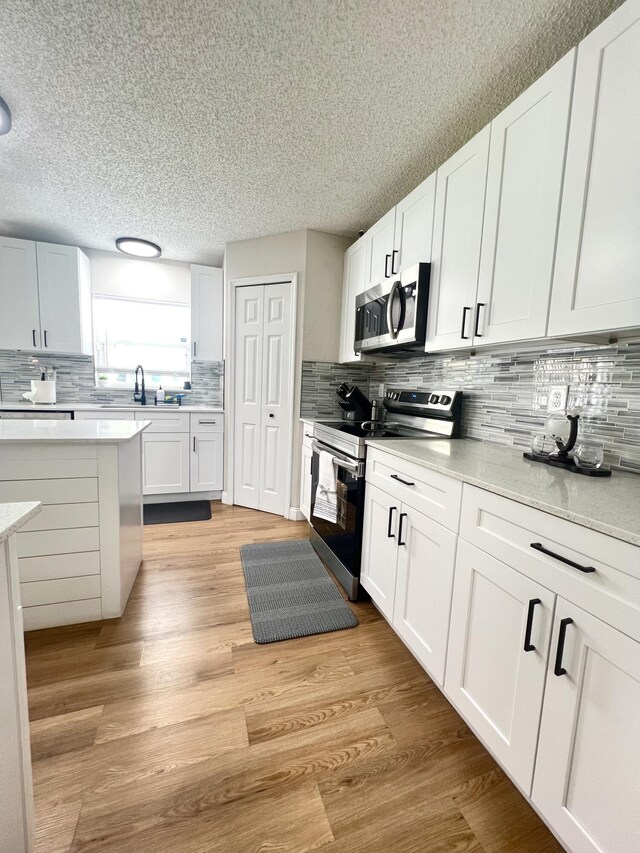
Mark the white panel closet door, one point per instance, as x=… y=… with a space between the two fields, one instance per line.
x=263 y=402
x=248 y=390
x=276 y=394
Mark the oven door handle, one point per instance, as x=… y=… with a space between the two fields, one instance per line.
x=395 y=287
x=351 y=466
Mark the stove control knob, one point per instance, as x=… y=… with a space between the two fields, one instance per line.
x=444 y=400
x=433 y=399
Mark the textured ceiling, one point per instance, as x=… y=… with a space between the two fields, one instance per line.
x=193 y=123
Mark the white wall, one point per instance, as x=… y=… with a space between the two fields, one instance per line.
x=113 y=274
x=323 y=296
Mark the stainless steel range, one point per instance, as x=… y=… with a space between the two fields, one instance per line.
x=407 y=414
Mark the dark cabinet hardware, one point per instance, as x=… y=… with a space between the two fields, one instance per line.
x=45 y=338
x=271 y=415
x=476 y=333
x=206 y=423
x=194 y=349
x=33 y=335
x=400 y=480
x=558 y=669
x=539 y=547
x=387 y=258
x=403 y=515
x=308 y=435
x=194 y=444
x=464 y=323
x=392 y=509
x=393 y=261
x=528 y=645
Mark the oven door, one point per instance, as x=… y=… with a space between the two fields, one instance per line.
x=339 y=543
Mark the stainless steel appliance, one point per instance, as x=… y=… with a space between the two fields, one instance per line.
x=408 y=414
x=392 y=316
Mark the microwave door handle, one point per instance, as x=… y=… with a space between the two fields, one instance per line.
x=395 y=287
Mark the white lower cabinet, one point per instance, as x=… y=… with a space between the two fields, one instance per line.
x=426 y=557
x=380 y=548
x=407 y=568
x=533 y=632
x=587 y=781
x=498 y=650
x=165 y=463
x=206 y=461
x=305 y=471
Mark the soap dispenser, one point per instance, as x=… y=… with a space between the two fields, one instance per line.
x=159 y=395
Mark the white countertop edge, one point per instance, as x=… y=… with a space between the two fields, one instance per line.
x=13 y=516
x=70 y=432
x=527 y=499
x=105 y=407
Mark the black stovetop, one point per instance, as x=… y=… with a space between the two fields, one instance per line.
x=382 y=430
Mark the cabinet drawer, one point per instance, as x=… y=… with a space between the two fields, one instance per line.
x=41 y=543
x=204 y=422
x=431 y=493
x=55 y=591
x=507 y=530
x=164 y=421
x=103 y=415
x=65 y=613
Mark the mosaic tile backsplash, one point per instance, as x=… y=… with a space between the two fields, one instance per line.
x=76 y=380
x=506 y=393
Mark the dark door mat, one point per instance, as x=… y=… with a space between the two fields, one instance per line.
x=174 y=513
x=290 y=592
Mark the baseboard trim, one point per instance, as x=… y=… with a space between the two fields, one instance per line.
x=295 y=514
x=226 y=499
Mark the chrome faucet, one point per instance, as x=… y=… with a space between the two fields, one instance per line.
x=139 y=394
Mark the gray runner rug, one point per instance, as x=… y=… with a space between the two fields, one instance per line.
x=290 y=592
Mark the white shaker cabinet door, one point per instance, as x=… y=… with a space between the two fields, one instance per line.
x=206 y=313
x=206 y=461
x=587 y=783
x=380 y=548
x=426 y=557
x=498 y=649
x=379 y=241
x=165 y=463
x=596 y=284
x=64 y=285
x=19 y=309
x=455 y=254
x=353 y=284
x=414 y=227
x=522 y=208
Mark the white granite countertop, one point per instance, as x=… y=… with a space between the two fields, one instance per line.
x=70 y=432
x=610 y=505
x=101 y=407
x=14 y=515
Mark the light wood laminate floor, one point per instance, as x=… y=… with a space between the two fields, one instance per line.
x=170 y=731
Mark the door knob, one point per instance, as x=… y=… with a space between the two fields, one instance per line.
x=271 y=415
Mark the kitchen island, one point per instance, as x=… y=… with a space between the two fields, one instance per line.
x=78 y=558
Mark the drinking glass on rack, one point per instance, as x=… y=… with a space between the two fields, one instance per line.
x=588 y=454
x=541 y=444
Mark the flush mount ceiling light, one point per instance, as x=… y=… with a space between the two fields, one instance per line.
x=5 y=118
x=138 y=248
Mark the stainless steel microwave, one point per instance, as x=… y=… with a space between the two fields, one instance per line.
x=392 y=317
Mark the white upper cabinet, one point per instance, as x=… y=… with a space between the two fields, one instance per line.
x=414 y=227
x=522 y=206
x=596 y=283
x=586 y=783
x=45 y=297
x=206 y=313
x=455 y=254
x=64 y=285
x=353 y=284
x=380 y=242
x=19 y=310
